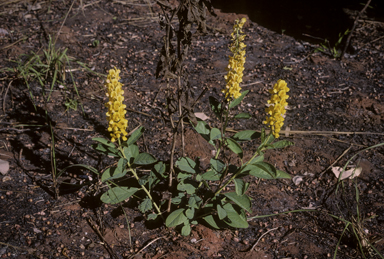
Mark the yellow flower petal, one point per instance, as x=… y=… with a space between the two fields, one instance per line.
x=116 y=109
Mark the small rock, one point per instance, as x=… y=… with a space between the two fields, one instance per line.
x=4 y=167
x=6 y=178
x=297 y=179
x=36 y=230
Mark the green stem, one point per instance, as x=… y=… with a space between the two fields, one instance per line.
x=222 y=132
x=146 y=191
x=257 y=153
x=138 y=180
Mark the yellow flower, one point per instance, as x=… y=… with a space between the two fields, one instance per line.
x=236 y=62
x=117 y=124
x=276 y=108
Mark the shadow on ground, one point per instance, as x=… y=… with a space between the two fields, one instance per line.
x=304 y=20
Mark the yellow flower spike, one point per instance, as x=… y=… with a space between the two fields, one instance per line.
x=236 y=62
x=117 y=123
x=277 y=107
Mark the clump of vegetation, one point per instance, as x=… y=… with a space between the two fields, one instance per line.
x=194 y=195
x=334 y=51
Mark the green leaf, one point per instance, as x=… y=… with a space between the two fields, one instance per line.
x=246 y=135
x=186 y=164
x=217 y=165
x=183 y=176
x=264 y=143
x=242 y=115
x=135 y=136
x=112 y=173
x=146 y=205
x=242 y=200
x=215 y=134
x=186 y=230
x=144 y=159
x=190 y=213
x=121 y=165
x=221 y=212
x=118 y=194
x=152 y=180
x=257 y=159
x=152 y=216
x=160 y=168
x=187 y=186
x=215 y=106
x=105 y=142
x=113 y=151
x=280 y=144
x=282 y=174
x=203 y=129
x=115 y=172
x=144 y=179
x=235 y=147
x=211 y=221
x=238 y=100
x=176 y=218
x=261 y=170
x=262 y=135
x=241 y=186
x=176 y=200
x=100 y=147
x=194 y=201
x=211 y=175
x=107 y=150
x=235 y=218
x=131 y=152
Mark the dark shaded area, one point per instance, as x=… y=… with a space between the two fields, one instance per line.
x=319 y=19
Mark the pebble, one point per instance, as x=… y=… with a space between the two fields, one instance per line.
x=6 y=178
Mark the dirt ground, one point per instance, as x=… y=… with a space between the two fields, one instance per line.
x=336 y=109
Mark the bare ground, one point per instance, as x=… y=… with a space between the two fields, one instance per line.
x=334 y=106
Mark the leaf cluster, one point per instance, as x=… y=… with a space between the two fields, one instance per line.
x=198 y=196
x=334 y=51
x=129 y=165
x=198 y=200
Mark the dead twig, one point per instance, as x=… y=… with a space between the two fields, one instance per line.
x=106 y=245
x=353 y=28
x=181 y=118
x=14 y=43
x=253 y=247
x=288 y=132
x=143 y=113
x=254 y=83
x=65 y=19
x=17 y=130
x=329 y=167
x=5 y=95
x=373 y=40
x=142 y=249
x=30 y=250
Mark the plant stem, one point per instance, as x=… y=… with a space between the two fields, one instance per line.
x=257 y=153
x=137 y=178
x=146 y=191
